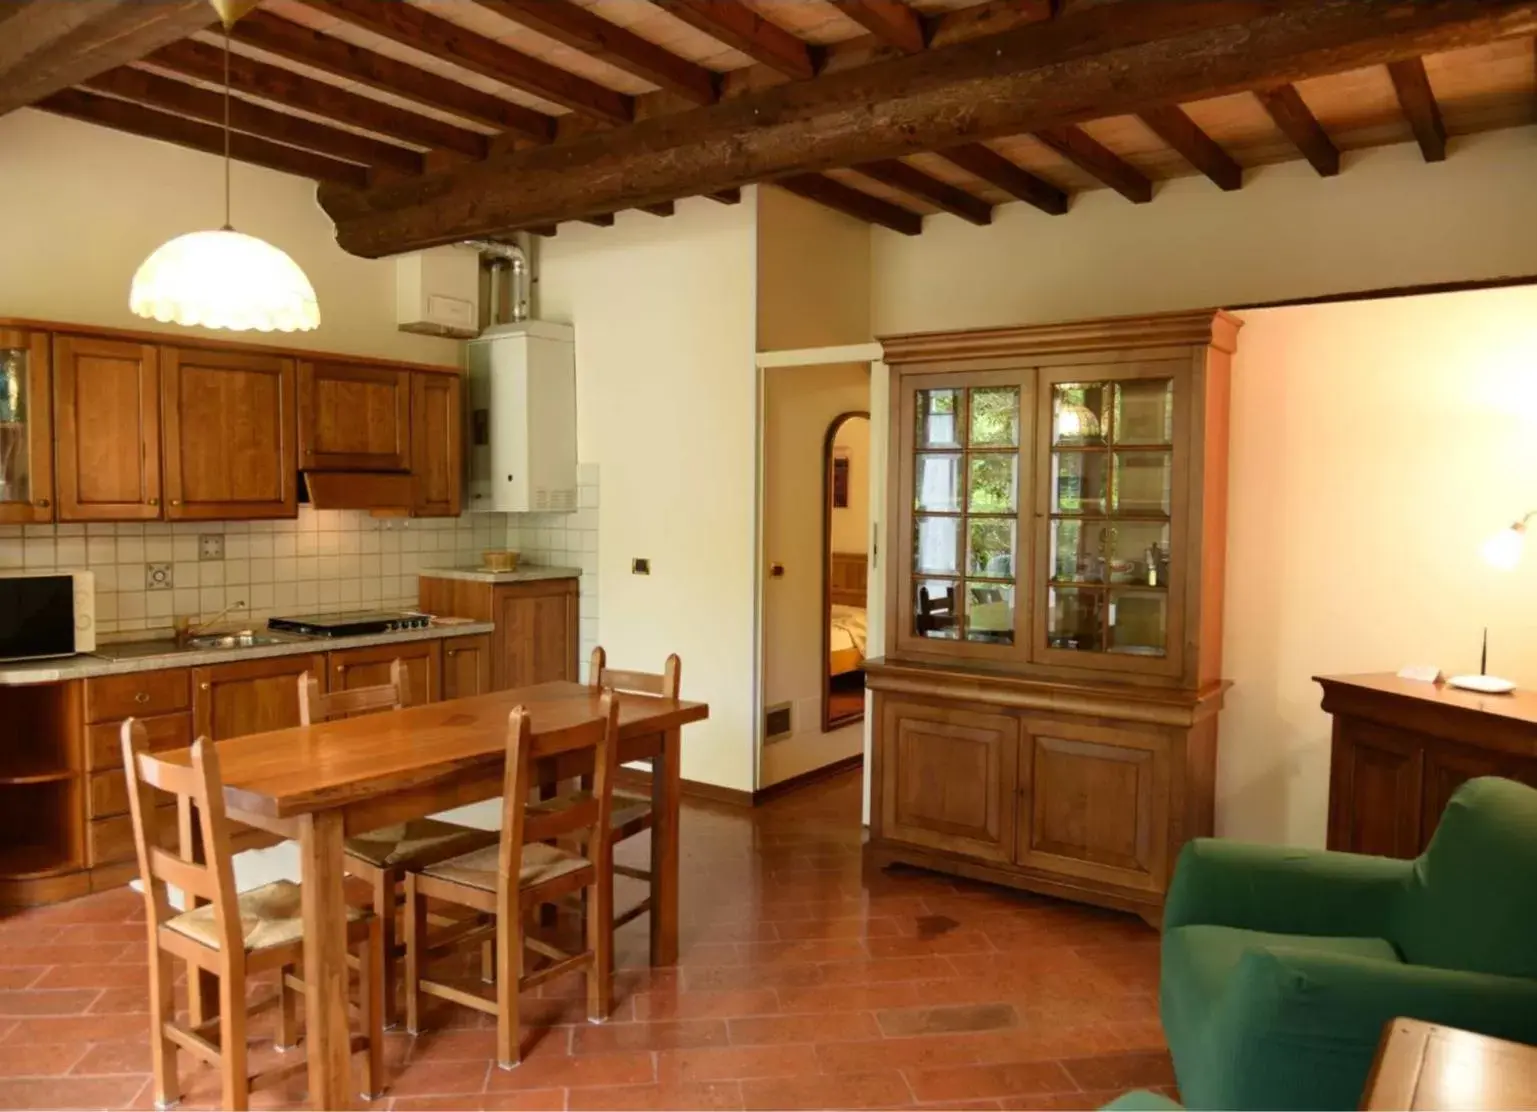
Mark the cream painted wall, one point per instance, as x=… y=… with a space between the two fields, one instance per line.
x=813 y=274
x=666 y=406
x=799 y=403
x=82 y=206
x=851 y=524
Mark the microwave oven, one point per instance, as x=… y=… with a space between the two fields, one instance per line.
x=46 y=614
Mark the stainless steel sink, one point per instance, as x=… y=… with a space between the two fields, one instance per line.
x=245 y=639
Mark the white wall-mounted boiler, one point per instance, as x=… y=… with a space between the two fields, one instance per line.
x=521 y=424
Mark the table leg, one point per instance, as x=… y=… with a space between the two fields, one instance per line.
x=666 y=792
x=325 y=961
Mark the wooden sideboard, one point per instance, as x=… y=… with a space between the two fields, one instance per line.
x=1401 y=748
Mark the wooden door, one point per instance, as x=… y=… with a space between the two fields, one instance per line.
x=26 y=428
x=948 y=778
x=536 y=633
x=354 y=417
x=229 y=434
x=250 y=696
x=437 y=453
x=350 y=669
x=466 y=666
x=106 y=404
x=1376 y=789
x=1094 y=803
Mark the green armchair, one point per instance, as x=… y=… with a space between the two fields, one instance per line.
x=1280 y=966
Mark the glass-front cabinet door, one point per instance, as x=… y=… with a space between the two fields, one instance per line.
x=26 y=449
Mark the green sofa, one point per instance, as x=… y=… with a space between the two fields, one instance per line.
x=1280 y=966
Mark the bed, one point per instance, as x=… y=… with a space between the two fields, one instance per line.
x=846 y=627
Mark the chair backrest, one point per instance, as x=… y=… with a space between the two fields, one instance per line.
x=198 y=786
x=316 y=707
x=665 y=683
x=585 y=816
x=1471 y=901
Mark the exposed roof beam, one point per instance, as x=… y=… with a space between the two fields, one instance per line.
x=443 y=39
x=151 y=124
x=1174 y=127
x=48 y=46
x=739 y=27
x=1418 y=101
x=993 y=168
x=1103 y=60
x=891 y=21
x=732 y=196
x=665 y=208
x=981 y=20
x=335 y=56
x=1093 y=157
x=204 y=104
x=195 y=59
x=911 y=180
x=1296 y=120
x=600 y=220
x=596 y=37
x=846 y=199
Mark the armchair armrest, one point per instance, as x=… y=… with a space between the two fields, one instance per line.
x=1283 y=890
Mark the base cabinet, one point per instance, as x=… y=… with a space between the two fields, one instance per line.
x=537 y=633
x=351 y=669
x=466 y=666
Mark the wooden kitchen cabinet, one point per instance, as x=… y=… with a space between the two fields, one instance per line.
x=106 y=410
x=437 y=445
x=353 y=417
x=250 y=696
x=349 y=669
x=466 y=666
x=26 y=428
x=537 y=632
x=228 y=434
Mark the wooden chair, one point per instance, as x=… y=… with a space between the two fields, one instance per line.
x=232 y=935
x=522 y=873
x=381 y=857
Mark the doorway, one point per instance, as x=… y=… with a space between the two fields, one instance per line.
x=846 y=537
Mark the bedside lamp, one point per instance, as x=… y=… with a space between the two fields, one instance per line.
x=1503 y=551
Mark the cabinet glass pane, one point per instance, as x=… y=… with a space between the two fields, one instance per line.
x=937 y=545
x=1139 y=622
x=937 y=483
x=1079 y=413
x=15 y=454
x=990 y=613
x=1080 y=482
x=1143 y=482
x=991 y=486
x=1144 y=411
x=1075 y=618
x=1077 y=551
x=995 y=417
x=939 y=418
x=935 y=606
x=990 y=547
x=1139 y=553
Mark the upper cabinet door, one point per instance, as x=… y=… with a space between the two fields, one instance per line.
x=229 y=434
x=354 y=418
x=437 y=452
x=26 y=428
x=106 y=429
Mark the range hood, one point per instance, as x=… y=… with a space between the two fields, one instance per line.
x=386 y=493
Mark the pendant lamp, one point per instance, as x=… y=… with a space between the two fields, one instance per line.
x=224 y=278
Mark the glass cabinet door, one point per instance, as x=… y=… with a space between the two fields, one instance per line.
x=26 y=473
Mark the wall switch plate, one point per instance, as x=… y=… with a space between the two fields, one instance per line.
x=157 y=577
x=210 y=546
x=640 y=566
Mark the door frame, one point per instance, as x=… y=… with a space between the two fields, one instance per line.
x=829 y=442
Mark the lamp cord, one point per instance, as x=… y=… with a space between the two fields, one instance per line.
x=227 y=226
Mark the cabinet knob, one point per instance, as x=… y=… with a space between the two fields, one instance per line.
x=176 y=501
x=43 y=503
x=341 y=667
x=154 y=501
x=453 y=652
x=141 y=696
x=202 y=687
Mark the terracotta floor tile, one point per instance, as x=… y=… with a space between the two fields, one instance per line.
x=857 y=926
x=704 y=1005
x=37 y=1002
x=21 y=976
x=707 y=1095
x=723 y=978
x=69 y=1092
x=532 y=1100
x=582 y=1071
x=436 y=1078
x=932 y=1021
x=83 y=953
x=1005 y=1080
x=885 y=969
x=918 y=1052
x=832 y=998
x=1076 y=1102
x=846 y=1090
x=123 y=1001
x=661 y=1035
x=40 y=1059
x=84 y=1029
x=735 y=1062
x=122 y=1056
x=962 y=1105
x=826 y=1027
x=113 y=975
x=1122 y=1071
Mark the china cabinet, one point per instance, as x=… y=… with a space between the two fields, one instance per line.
x=1045 y=709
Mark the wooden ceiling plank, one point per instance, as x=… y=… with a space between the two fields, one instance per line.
x=741 y=28
x=1418 y=101
x=1093 y=157
x=152 y=124
x=335 y=56
x=596 y=37
x=1174 y=127
x=206 y=63
x=443 y=39
x=909 y=179
x=852 y=202
x=981 y=20
x=891 y=21
x=1292 y=115
x=665 y=208
x=992 y=167
x=203 y=104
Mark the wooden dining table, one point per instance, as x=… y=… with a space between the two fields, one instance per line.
x=323 y=783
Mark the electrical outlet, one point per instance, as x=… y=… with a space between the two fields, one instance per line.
x=157 y=577
x=210 y=546
x=640 y=566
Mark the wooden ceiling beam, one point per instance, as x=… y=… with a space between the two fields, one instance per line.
x=741 y=28
x=596 y=37
x=274 y=83
x=445 y=40
x=1292 y=115
x=853 y=202
x=600 y=220
x=665 y=208
x=913 y=181
x=1171 y=124
x=1418 y=100
x=49 y=46
x=1087 y=63
x=731 y=196
x=150 y=123
x=340 y=58
x=890 y=21
x=987 y=164
x=1093 y=157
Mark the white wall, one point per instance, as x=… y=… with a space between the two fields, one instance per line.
x=851 y=523
x=813 y=274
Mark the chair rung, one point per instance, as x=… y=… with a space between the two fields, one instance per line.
x=632 y=872
x=458 y=996
x=543 y=948
x=192 y=1043
x=549 y=972
x=634 y=913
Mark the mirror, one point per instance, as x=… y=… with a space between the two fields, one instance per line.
x=845 y=547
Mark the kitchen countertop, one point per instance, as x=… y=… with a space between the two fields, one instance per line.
x=86 y=665
x=528 y=573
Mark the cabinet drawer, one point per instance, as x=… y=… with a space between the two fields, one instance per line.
x=108 y=795
x=104 y=747
x=137 y=695
x=112 y=839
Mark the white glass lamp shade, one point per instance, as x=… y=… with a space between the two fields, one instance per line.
x=224 y=279
x=1503 y=550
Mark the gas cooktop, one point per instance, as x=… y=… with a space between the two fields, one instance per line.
x=351 y=623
